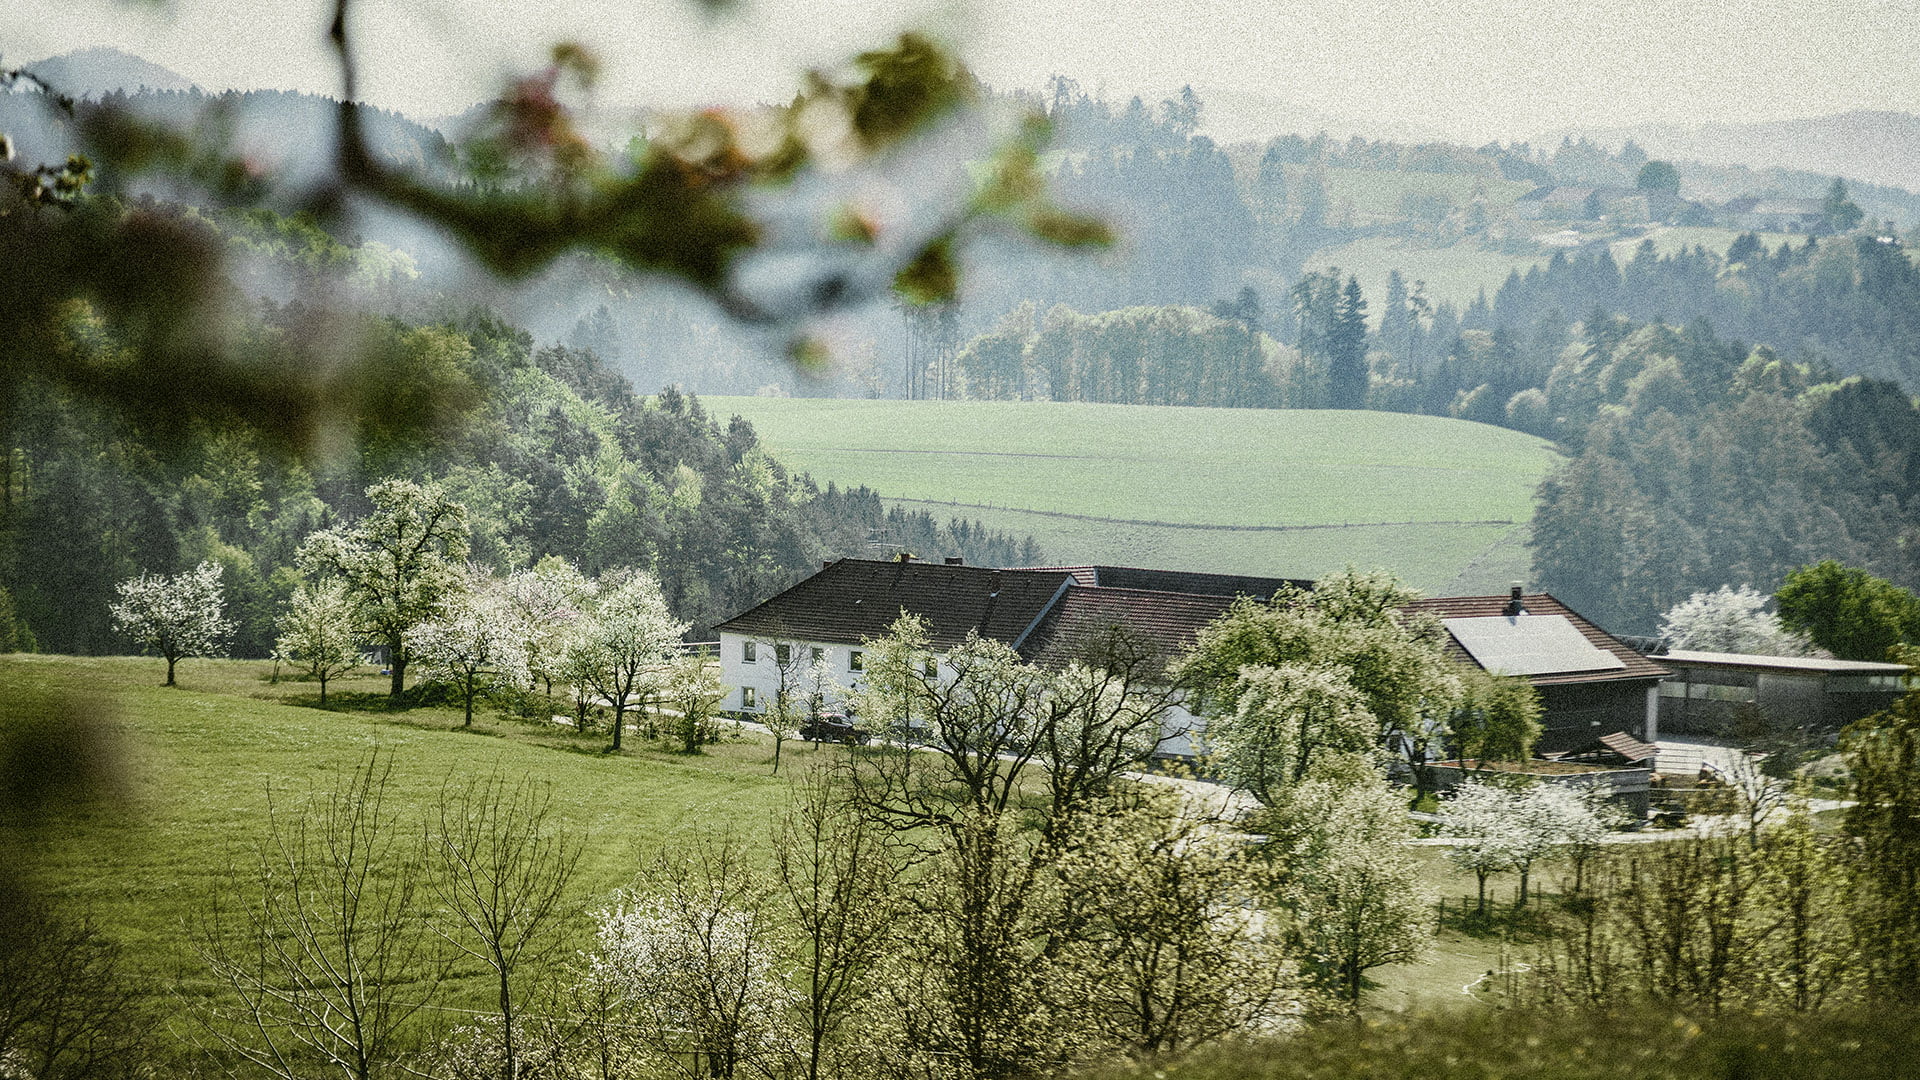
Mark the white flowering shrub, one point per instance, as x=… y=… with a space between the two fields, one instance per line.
x=1730 y=620
x=698 y=979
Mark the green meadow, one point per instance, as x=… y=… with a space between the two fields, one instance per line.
x=1443 y=503
x=1461 y=271
x=197 y=769
x=1455 y=273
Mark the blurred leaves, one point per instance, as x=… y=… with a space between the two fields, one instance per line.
x=56 y=751
x=932 y=276
x=130 y=302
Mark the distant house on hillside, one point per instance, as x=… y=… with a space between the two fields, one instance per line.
x=1050 y=616
x=1756 y=214
x=1590 y=683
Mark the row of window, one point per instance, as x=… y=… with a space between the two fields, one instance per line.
x=1865 y=684
x=1705 y=691
x=750 y=698
x=783 y=655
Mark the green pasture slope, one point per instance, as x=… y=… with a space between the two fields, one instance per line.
x=1443 y=503
x=1461 y=271
x=198 y=764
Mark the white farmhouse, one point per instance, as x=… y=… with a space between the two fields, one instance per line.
x=1049 y=615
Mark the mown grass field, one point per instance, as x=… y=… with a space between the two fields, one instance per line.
x=1669 y=239
x=1443 y=503
x=1461 y=271
x=1373 y=193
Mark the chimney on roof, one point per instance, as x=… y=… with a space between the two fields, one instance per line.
x=1514 y=606
x=993 y=585
x=955 y=560
x=904 y=556
x=826 y=564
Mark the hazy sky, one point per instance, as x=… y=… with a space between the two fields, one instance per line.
x=1469 y=69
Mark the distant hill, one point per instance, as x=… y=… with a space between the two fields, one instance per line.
x=1879 y=147
x=290 y=132
x=93 y=72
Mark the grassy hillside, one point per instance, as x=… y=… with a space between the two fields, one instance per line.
x=1461 y=271
x=1298 y=493
x=198 y=761
x=198 y=765
x=1456 y=272
x=1373 y=194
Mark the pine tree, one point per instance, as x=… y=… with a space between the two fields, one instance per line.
x=1347 y=351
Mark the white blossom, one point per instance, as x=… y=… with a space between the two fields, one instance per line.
x=1730 y=620
x=174 y=616
x=473 y=644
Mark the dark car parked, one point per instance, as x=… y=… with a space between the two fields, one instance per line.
x=832 y=727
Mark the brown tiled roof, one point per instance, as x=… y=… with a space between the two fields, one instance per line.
x=854 y=599
x=1164 y=621
x=1473 y=607
x=1179 y=581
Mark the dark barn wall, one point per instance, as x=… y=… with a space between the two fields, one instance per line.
x=1573 y=715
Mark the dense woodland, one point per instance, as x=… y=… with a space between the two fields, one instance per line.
x=551 y=452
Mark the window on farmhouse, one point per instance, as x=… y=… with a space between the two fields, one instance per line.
x=819 y=654
x=933 y=669
x=783 y=654
x=856 y=661
x=749 y=652
x=746 y=697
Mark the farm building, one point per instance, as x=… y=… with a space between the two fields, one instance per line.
x=1049 y=615
x=1590 y=682
x=1717 y=694
x=1776 y=214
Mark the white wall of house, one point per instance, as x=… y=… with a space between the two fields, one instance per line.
x=761 y=675
x=1182 y=733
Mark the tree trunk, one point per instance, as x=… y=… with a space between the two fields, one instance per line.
x=619 y=721
x=171 y=660
x=777 y=740
x=468 y=697
x=506 y=1028
x=323 y=691
x=397 y=663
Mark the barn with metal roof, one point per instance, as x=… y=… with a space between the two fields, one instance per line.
x=1590 y=682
